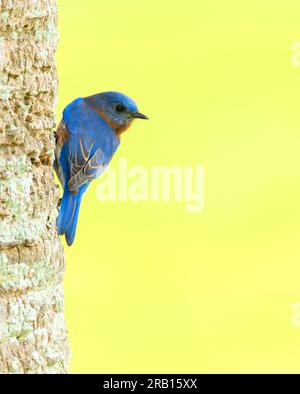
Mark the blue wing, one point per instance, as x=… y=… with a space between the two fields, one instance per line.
x=91 y=143
x=83 y=156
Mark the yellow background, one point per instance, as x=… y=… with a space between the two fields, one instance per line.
x=149 y=287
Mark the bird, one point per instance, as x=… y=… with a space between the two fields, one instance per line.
x=86 y=140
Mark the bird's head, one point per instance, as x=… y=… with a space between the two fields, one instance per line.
x=116 y=109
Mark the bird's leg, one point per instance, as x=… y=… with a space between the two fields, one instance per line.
x=59 y=202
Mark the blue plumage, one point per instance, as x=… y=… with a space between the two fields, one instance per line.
x=86 y=140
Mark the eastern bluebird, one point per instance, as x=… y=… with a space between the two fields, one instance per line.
x=86 y=140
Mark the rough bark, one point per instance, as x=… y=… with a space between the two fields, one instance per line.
x=32 y=328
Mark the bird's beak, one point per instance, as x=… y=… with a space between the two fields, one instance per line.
x=138 y=115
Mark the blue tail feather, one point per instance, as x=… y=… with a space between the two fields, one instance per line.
x=68 y=214
x=66 y=211
x=71 y=231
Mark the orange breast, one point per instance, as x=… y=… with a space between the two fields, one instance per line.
x=61 y=134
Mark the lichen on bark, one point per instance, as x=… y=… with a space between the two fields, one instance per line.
x=32 y=328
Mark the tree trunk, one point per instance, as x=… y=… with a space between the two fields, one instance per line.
x=32 y=327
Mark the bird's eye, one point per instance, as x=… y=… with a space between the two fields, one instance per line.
x=120 y=108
